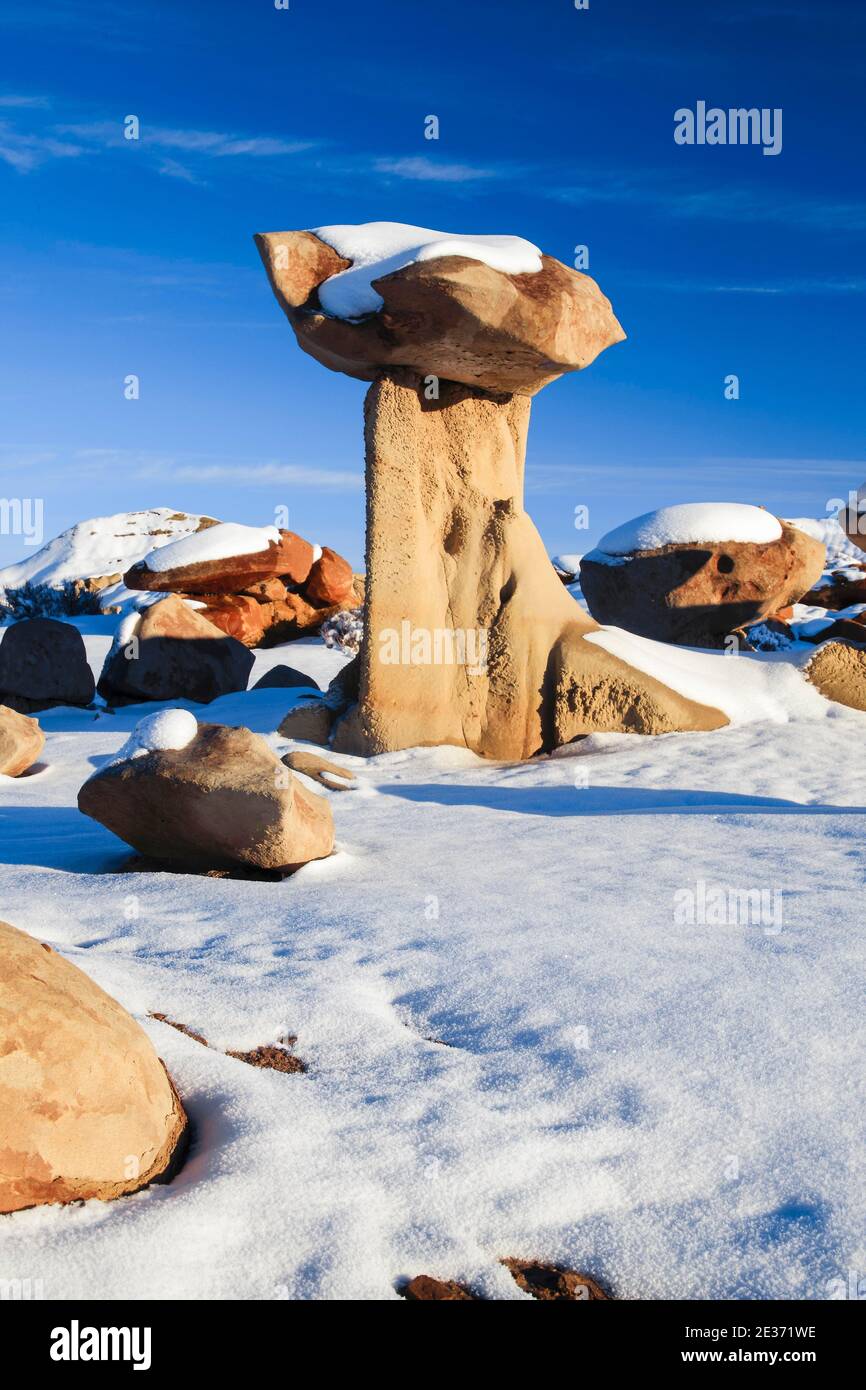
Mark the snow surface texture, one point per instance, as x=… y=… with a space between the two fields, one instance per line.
x=514 y=1045
x=379 y=248
x=704 y=523
x=101 y=546
x=220 y=542
x=167 y=728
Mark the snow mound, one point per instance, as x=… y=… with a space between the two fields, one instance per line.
x=841 y=551
x=104 y=545
x=167 y=728
x=220 y=542
x=747 y=688
x=702 y=523
x=379 y=248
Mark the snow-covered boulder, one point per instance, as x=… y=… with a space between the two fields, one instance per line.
x=21 y=742
x=487 y=311
x=171 y=652
x=87 y=1109
x=224 y=559
x=691 y=574
x=205 y=796
x=43 y=663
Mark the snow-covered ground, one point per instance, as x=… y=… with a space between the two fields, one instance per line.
x=527 y=1031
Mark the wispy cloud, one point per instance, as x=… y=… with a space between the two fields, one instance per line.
x=22 y=102
x=718 y=202
x=26 y=152
x=269 y=474
x=422 y=168
x=215 y=144
x=206 y=468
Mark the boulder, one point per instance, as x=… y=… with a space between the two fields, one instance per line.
x=170 y=652
x=454 y=317
x=21 y=741
x=839 y=672
x=838 y=588
x=289 y=556
x=43 y=663
x=284 y=677
x=237 y=615
x=266 y=590
x=290 y=618
x=331 y=579
x=87 y=1109
x=695 y=593
x=220 y=799
x=309 y=722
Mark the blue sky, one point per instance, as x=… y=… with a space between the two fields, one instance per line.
x=555 y=124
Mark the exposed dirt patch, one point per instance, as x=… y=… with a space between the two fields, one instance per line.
x=181 y=1028
x=424 y=1289
x=271 y=1057
x=552 y=1282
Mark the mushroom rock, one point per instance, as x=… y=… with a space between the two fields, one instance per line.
x=469 y=636
x=170 y=652
x=206 y=563
x=692 y=573
x=21 y=741
x=87 y=1108
x=212 y=797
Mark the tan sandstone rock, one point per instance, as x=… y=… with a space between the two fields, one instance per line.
x=469 y=636
x=695 y=594
x=21 y=741
x=87 y=1109
x=222 y=800
x=170 y=652
x=839 y=672
x=454 y=318
x=452 y=553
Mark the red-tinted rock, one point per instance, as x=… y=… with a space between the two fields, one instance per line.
x=291 y=557
x=331 y=579
x=267 y=590
x=238 y=616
